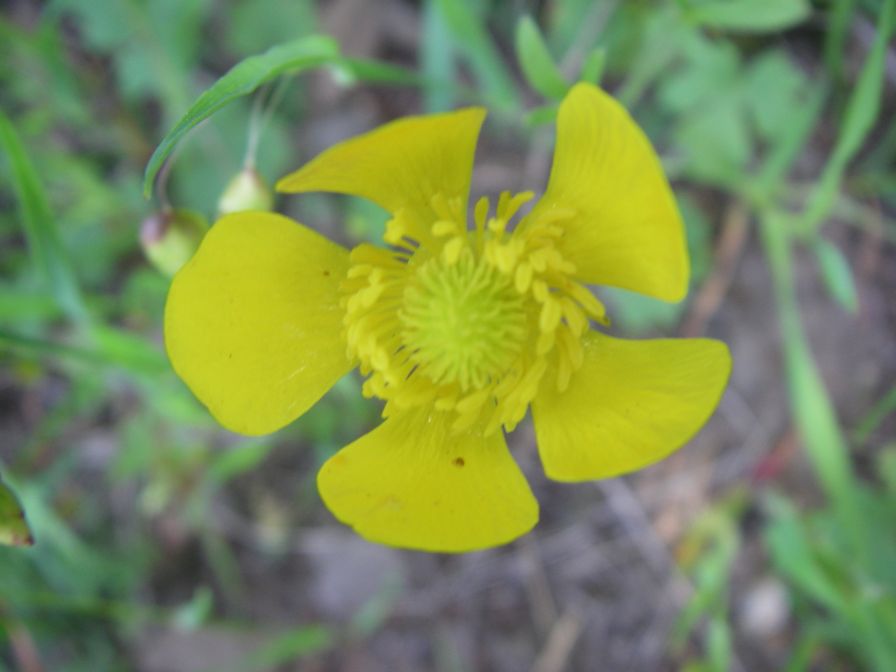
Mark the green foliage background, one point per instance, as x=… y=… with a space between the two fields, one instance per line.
x=769 y=104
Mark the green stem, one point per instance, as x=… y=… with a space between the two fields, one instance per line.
x=813 y=412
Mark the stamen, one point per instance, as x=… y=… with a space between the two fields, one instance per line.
x=468 y=321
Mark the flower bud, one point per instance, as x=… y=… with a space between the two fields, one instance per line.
x=246 y=191
x=170 y=238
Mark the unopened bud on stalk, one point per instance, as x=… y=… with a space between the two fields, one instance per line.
x=170 y=238
x=246 y=191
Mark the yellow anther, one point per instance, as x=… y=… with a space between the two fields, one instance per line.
x=545 y=342
x=497 y=226
x=509 y=207
x=468 y=321
x=396 y=230
x=444 y=227
x=551 y=313
x=473 y=402
x=539 y=260
x=574 y=316
x=452 y=250
x=480 y=213
x=588 y=301
x=523 y=277
x=564 y=374
x=572 y=347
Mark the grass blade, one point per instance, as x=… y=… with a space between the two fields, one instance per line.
x=436 y=60
x=754 y=16
x=286 y=648
x=478 y=48
x=593 y=67
x=861 y=113
x=241 y=80
x=40 y=226
x=840 y=14
x=22 y=305
x=878 y=413
x=375 y=72
x=813 y=412
x=837 y=275
x=119 y=350
x=536 y=61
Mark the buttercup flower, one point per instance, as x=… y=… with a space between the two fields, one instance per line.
x=458 y=328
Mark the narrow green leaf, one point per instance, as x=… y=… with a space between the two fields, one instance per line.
x=196 y=611
x=290 y=647
x=129 y=351
x=372 y=614
x=569 y=19
x=14 y=529
x=35 y=347
x=436 y=60
x=227 y=465
x=121 y=350
x=803 y=652
x=242 y=79
x=878 y=413
x=40 y=226
x=536 y=61
x=861 y=112
x=478 y=49
x=17 y=305
x=718 y=644
x=375 y=72
x=836 y=274
x=792 y=554
x=753 y=16
x=593 y=67
x=886 y=466
x=538 y=116
x=710 y=584
x=812 y=409
x=238 y=460
x=839 y=21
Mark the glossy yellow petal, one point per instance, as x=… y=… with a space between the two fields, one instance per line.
x=253 y=321
x=401 y=166
x=626 y=230
x=412 y=483
x=631 y=404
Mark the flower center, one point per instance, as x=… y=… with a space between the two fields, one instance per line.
x=462 y=322
x=467 y=320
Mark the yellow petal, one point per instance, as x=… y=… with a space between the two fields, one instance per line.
x=400 y=166
x=253 y=322
x=631 y=404
x=626 y=231
x=412 y=483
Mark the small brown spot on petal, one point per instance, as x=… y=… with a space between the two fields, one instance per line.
x=459 y=462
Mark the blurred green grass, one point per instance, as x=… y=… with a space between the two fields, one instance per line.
x=88 y=90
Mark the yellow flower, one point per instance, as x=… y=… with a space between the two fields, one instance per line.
x=459 y=329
